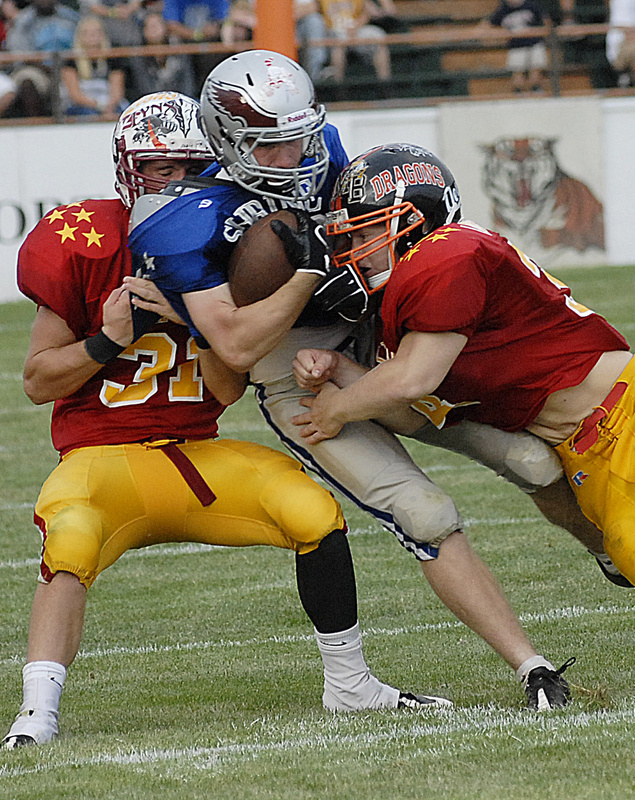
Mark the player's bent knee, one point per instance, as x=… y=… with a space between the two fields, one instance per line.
x=425 y=512
x=531 y=464
x=73 y=543
x=619 y=543
x=302 y=509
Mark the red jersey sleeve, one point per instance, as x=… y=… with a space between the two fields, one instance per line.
x=68 y=261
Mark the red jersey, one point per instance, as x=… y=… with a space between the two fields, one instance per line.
x=70 y=263
x=526 y=336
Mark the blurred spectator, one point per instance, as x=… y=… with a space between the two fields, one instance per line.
x=93 y=84
x=7 y=94
x=121 y=19
x=620 y=41
x=567 y=12
x=383 y=13
x=347 y=19
x=240 y=23
x=43 y=26
x=160 y=73
x=197 y=21
x=526 y=58
x=309 y=26
x=7 y=85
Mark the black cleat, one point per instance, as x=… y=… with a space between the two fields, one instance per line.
x=611 y=572
x=546 y=689
x=414 y=701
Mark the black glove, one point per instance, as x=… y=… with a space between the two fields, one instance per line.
x=306 y=248
x=142 y=319
x=344 y=291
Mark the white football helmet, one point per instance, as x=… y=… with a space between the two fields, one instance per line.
x=157 y=126
x=256 y=98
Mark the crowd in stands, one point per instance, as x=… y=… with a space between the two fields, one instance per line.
x=101 y=85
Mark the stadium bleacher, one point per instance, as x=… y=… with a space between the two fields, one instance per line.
x=452 y=59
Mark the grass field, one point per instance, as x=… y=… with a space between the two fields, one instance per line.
x=199 y=676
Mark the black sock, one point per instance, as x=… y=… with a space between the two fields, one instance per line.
x=326 y=583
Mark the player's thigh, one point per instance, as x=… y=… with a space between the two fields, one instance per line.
x=369 y=465
x=263 y=496
x=90 y=503
x=521 y=458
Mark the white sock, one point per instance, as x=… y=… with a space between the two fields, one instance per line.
x=531 y=663
x=42 y=688
x=349 y=684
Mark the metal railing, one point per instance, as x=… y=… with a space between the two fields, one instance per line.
x=434 y=36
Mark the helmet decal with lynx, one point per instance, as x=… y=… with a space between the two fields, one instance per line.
x=157 y=126
x=258 y=98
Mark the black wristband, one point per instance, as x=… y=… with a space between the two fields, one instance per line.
x=102 y=349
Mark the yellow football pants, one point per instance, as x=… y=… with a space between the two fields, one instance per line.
x=101 y=501
x=599 y=461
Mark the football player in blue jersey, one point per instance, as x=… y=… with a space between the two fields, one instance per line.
x=275 y=150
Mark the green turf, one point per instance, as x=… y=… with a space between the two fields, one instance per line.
x=199 y=677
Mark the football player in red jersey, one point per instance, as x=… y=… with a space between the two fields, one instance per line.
x=131 y=413
x=474 y=329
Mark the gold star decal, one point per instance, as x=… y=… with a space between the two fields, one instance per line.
x=83 y=215
x=438 y=236
x=67 y=232
x=413 y=250
x=72 y=205
x=93 y=237
x=55 y=215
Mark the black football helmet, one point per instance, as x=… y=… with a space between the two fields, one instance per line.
x=405 y=187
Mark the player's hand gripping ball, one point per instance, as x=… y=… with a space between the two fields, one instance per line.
x=258 y=264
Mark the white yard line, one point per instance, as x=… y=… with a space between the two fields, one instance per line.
x=474 y=722
x=570 y=612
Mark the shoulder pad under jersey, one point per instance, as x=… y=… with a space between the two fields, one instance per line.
x=167 y=224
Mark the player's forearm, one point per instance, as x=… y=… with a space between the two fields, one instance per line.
x=400 y=419
x=57 y=372
x=242 y=336
x=383 y=393
x=226 y=385
x=347 y=371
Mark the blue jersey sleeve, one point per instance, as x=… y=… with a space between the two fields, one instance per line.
x=337 y=155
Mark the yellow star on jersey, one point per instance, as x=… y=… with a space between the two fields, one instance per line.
x=72 y=205
x=67 y=232
x=93 y=237
x=438 y=236
x=413 y=250
x=55 y=215
x=83 y=215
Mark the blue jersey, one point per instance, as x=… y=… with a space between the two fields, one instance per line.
x=187 y=242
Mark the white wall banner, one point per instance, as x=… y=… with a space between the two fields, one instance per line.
x=43 y=166
x=534 y=172
x=557 y=175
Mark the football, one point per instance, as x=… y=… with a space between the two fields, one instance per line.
x=258 y=264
